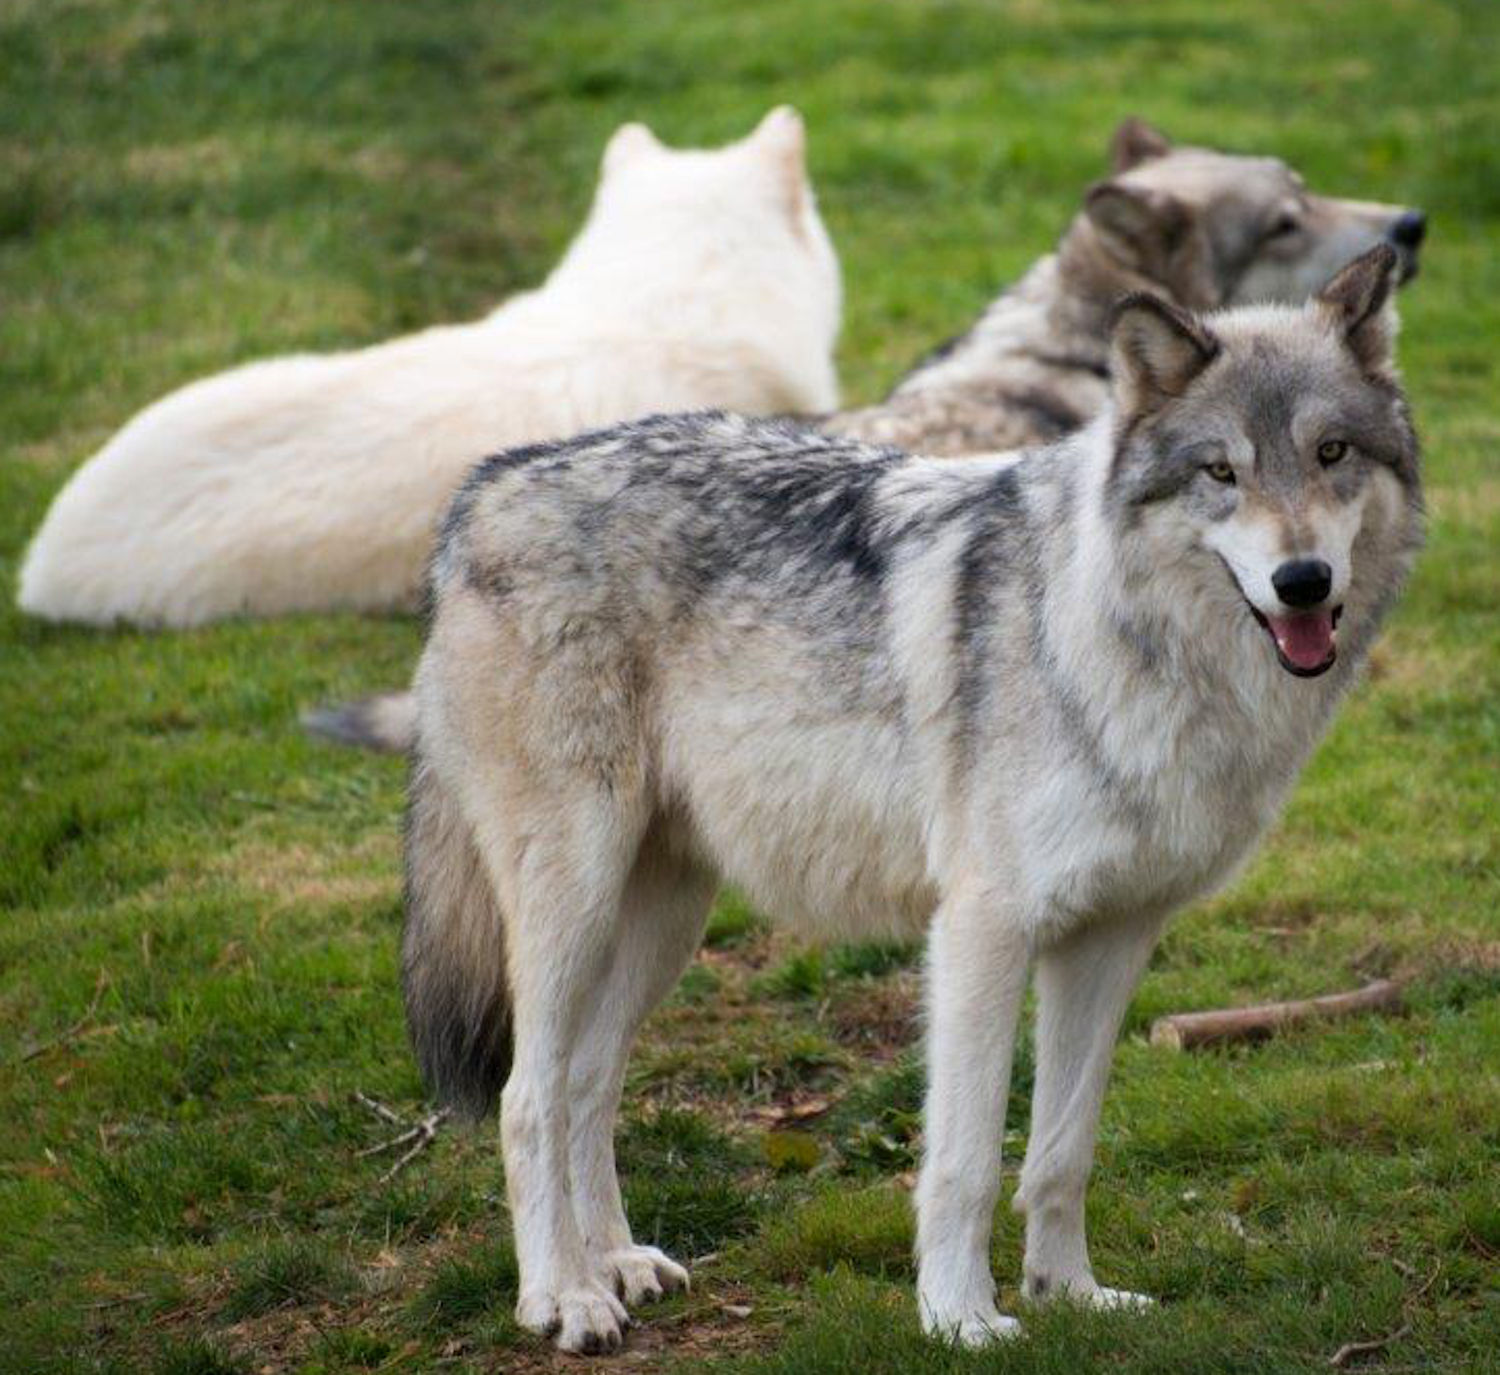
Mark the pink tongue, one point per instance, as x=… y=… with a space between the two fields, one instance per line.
x=1306 y=640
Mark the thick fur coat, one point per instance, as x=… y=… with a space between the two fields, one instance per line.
x=1202 y=228
x=702 y=278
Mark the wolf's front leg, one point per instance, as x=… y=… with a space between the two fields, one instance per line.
x=976 y=974
x=1084 y=983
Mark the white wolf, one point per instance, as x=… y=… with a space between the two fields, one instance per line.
x=702 y=278
x=1033 y=703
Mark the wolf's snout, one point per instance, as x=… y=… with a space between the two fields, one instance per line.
x=1303 y=582
x=1409 y=229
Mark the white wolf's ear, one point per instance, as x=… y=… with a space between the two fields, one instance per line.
x=1156 y=350
x=629 y=143
x=779 y=141
x=1358 y=302
x=1136 y=142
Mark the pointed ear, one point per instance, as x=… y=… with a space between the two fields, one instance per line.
x=1136 y=142
x=1142 y=223
x=1156 y=350
x=1357 y=302
x=779 y=141
x=629 y=143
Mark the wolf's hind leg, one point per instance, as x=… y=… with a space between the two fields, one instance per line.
x=1084 y=984
x=662 y=916
x=976 y=974
x=564 y=918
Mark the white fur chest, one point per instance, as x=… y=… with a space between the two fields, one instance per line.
x=1163 y=810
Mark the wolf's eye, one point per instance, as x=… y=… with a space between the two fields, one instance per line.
x=1286 y=225
x=1331 y=450
x=1220 y=471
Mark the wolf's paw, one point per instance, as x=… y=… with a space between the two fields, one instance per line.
x=979 y=1327
x=1040 y=1289
x=642 y=1274
x=585 y=1318
x=1124 y=1299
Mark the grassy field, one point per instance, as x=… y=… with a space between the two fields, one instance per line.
x=200 y=907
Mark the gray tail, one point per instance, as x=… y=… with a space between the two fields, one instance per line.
x=453 y=954
x=386 y=723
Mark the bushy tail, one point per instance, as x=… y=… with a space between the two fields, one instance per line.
x=453 y=954
x=386 y=723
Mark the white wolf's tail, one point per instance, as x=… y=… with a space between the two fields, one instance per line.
x=453 y=954
x=386 y=723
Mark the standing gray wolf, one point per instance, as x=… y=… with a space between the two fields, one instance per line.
x=1202 y=228
x=1033 y=703
x=702 y=278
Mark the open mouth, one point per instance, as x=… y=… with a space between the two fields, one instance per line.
x=1306 y=642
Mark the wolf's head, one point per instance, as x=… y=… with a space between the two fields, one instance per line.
x=1213 y=229
x=1265 y=468
x=731 y=235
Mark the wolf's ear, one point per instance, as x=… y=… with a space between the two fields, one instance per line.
x=1158 y=236
x=1358 y=302
x=1139 y=222
x=1156 y=350
x=1136 y=142
x=629 y=143
x=779 y=141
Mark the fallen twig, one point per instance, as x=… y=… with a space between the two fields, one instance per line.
x=62 y=1038
x=1350 y=1350
x=418 y=1137
x=1184 y=1030
x=379 y=1109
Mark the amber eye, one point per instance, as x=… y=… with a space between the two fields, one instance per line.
x=1220 y=471
x=1287 y=224
x=1331 y=450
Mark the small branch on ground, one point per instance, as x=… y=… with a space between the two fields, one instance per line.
x=1350 y=1350
x=379 y=1109
x=1185 y=1030
x=417 y=1138
x=62 y=1038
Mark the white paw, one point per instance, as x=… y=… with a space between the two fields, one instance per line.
x=585 y=1318
x=980 y=1327
x=1102 y=1297
x=642 y=1274
x=1042 y=1289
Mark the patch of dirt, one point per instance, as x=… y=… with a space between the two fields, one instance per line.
x=721 y=1318
x=877 y=1017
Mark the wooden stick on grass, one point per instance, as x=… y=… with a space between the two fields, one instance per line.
x=1185 y=1030
x=418 y=1137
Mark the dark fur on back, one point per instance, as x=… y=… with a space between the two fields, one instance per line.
x=453 y=955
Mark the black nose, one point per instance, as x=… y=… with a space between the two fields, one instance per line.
x=1409 y=229
x=1303 y=582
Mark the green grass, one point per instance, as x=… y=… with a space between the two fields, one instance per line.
x=200 y=907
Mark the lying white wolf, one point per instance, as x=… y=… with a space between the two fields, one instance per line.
x=1032 y=703
x=702 y=278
